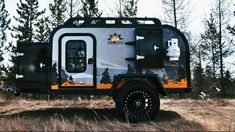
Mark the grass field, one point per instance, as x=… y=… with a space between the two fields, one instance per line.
x=96 y=115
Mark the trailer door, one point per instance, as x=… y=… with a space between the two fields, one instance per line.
x=149 y=50
x=77 y=61
x=32 y=67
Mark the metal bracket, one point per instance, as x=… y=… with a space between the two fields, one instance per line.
x=19 y=54
x=139 y=37
x=42 y=65
x=139 y=57
x=77 y=23
x=155 y=47
x=19 y=76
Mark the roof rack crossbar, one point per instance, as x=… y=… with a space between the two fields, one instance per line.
x=104 y=21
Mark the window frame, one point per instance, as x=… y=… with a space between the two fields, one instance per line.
x=66 y=57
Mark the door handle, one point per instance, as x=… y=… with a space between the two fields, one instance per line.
x=42 y=65
x=155 y=47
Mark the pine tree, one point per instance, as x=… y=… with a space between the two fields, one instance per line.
x=4 y=26
x=221 y=12
x=114 y=78
x=176 y=13
x=211 y=83
x=28 y=17
x=210 y=44
x=90 y=9
x=230 y=91
x=43 y=30
x=106 y=77
x=11 y=70
x=73 y=8
x=54 y=74
x=58 y=10
x=64 y=76
x=130 y=70
x=70 y=78
x=198 y=81
x=3 y=72
x=129 y=8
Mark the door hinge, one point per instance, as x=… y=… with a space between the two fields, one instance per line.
x=139 y=57
x=19 y=76
x=19 y=54
x=139 y=37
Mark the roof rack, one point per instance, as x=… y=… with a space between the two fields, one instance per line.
x=112 y=22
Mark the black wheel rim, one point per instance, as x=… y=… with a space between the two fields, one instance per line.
x=138 y=104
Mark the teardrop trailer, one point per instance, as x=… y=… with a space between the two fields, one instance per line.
x=132 y=59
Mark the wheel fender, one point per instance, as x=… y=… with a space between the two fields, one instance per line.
x=123 y=79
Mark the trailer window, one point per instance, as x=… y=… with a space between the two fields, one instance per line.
x=75 y=56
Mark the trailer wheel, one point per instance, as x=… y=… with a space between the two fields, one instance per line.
x=137 y=102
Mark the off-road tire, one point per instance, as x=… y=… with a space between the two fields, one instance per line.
x=137 y=102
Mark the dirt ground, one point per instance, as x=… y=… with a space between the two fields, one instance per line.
x=212 y=114
x=74 y=115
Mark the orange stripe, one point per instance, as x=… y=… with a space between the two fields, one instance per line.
x=104 y=86
x=174 y=84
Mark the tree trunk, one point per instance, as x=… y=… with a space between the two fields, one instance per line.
x=120 y=8
x=175 y=20
x=213 y=59
x=220 y=47
x=71 y=9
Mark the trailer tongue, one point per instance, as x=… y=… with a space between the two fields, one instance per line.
x=132 y=59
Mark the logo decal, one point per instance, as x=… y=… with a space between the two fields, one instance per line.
x=115 y=39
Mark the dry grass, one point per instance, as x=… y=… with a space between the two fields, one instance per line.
x=100 y=115
x=61 y=123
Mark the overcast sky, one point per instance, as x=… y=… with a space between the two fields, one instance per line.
x=147 y=8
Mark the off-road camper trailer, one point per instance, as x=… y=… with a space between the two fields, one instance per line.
x=132 y=59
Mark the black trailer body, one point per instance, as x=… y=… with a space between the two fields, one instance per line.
x=110 y=56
